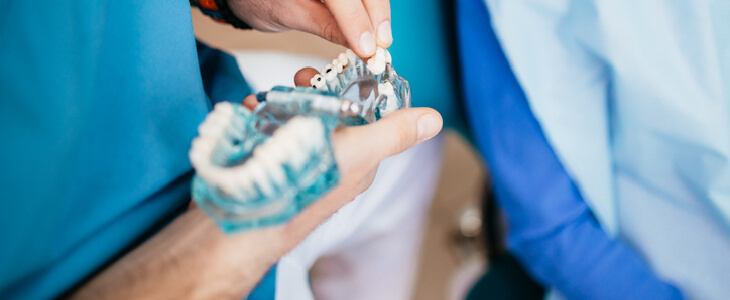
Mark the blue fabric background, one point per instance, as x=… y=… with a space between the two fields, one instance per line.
x=99 y=101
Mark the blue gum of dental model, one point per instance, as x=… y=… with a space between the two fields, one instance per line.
x=248 y=184
x=260 y=168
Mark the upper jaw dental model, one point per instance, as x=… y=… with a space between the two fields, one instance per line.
x=260 y=168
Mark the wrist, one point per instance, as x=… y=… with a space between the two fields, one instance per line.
x=220 y=11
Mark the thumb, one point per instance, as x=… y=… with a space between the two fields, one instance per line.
x=389 y=136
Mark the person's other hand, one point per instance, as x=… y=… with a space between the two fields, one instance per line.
x=358 y=24
x=358 y=151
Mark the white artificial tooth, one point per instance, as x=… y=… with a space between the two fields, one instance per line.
x=272 y=166
x=318 y=82
x=380 y=53
x=295 y=156
x=343 y=58
x=337 y=65
x=227 y=183
x=314 y=141
x=204 y=173
x=312 y=129
x=197 y=158
x=225 y=107
x=212 y=174
x=280 y=154
x=377 y=66
x=329 y=72
x=203 y=145
x=316 y=78
x=243 y=179
x=258 y=175
x=217 y=117
x=388 y=58
x=211 y=129
x=272 y=151
x=221 y=120
x=296 y=151
x=218 y=114
x=301 y=132
x=298 y=159
x=289 y=143
x=351 y=56
x=386 y=88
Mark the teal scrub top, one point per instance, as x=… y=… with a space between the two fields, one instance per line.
x=99 y=101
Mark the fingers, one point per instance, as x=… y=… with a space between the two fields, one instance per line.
x=313 y=17
x=365 y=146
x=250 y=102
x=353 y=21
x=379 y=11
x=303 y=77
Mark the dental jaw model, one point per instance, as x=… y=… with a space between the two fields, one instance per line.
x=260 y=168
x=375 y=85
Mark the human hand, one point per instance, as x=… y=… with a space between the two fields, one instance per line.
x=358 y=150
x=358 y=24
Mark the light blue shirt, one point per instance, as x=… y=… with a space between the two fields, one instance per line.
x=634 y=97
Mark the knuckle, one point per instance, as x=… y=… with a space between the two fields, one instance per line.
x=329 y=31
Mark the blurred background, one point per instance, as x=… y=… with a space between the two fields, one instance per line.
x=452 y=254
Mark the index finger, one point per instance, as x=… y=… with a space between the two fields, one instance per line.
x=354 y=22
x=379 y=11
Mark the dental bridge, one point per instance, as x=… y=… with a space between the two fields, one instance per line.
x=260 y=168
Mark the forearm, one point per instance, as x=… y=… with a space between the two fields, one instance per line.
x=582 y=262
x=190 y=258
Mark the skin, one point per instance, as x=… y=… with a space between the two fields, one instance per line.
x=193 y=259
x=345 y=22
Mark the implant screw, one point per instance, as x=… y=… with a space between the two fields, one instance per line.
x=350 y=108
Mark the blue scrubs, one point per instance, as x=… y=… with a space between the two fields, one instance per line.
x=99 y=101
x=551 y=229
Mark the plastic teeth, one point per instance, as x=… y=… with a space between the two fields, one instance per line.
x=337 y=65
x=330 y=75
x=212 y=134
x=318 y=82
x=329 y=72
x=343 y=59
x=351 y=56
x=292 y=145
x=391 y=102
x=376 y=64
x=347 y=66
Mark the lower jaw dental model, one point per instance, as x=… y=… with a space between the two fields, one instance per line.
x=260 y=168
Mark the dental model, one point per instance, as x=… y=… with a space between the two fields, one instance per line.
x=260 y=168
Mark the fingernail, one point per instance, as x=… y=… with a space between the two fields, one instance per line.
x=367 y=43
x=428 y=126
x=385 y=35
